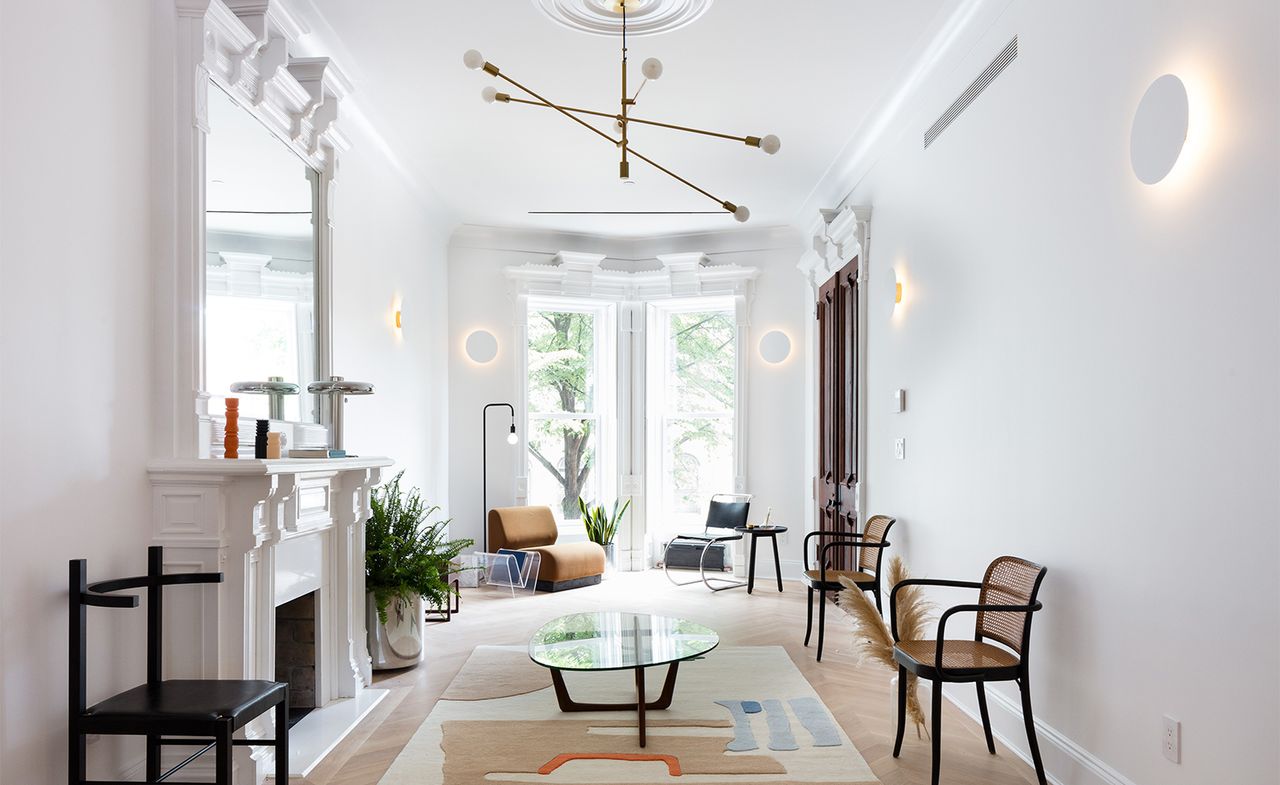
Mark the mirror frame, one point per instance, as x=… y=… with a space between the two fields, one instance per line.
x=242 y=47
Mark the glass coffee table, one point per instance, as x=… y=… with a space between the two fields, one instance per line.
x=618 y=640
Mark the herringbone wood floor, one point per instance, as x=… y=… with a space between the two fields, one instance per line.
x=857 y=695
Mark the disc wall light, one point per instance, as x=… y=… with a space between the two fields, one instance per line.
x=1159 y=129
x=481 y=346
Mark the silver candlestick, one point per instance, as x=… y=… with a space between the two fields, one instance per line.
x=275 y=388
x=338 y=389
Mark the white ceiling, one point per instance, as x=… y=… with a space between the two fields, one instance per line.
x=809 y=71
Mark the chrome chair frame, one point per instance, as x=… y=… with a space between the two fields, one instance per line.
x=708 y=539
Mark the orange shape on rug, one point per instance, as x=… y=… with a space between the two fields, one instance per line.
x=673 y=763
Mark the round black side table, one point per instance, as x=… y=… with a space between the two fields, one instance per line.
x=756 y=532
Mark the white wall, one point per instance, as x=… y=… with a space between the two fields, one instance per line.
x=75 y=359
x=391 y=250
x=81 y=152
x=478 y=299
x=1091 y=374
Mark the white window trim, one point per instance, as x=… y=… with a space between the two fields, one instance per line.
x=606 y=386
x=657 y=314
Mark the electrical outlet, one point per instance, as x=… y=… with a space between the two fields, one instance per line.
x=900 y=449
x=1172 y=739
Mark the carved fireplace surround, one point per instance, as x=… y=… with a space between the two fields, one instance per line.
x=277 y=529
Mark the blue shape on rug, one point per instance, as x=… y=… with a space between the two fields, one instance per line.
x=813 y=715
x=743 y=737
x=751 y=707
x=780 y=735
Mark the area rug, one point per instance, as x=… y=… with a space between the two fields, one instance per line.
x=741 y=716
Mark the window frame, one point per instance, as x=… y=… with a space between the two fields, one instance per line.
x=658 y=315
x=604 y=409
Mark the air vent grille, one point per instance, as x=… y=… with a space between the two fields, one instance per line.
x=972 y=92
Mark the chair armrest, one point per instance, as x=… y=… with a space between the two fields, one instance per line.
x=191 y=577
x=804 y=544
x=822 y=563
x=893 y=595
x=975 y=608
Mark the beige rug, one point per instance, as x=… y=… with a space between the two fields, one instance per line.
x=742 y=716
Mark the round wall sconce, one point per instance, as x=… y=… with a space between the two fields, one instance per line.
x=482 y=346
x=399 y=322
x=775 y=347
x=1159 y=129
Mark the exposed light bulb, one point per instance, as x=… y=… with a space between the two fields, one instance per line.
x=489 y=94
x=741 y=214
x=511 y=437
x=771 y=144
x=626 y=181
x=473 y=59
x=651 y=68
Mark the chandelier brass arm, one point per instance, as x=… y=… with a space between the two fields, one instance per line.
x=740 y=212
x=750 y=141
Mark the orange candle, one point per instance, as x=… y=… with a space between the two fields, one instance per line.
x=231 y=439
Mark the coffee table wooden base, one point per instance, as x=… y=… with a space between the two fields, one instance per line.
x=640 y=706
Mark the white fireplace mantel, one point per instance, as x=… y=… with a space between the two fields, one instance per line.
x=276 y=529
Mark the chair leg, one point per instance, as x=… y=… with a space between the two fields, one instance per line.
x=224 y=754
x=902 y=710
x=808 y=624
x=822 y=619
x=986 y=718
x=937 y=730
x=282 y=738
x=153 y=759
x=876 y=592
x=76 y=768
x=1025 y=686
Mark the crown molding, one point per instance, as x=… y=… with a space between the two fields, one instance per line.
x=953 y=33
x=626 y=249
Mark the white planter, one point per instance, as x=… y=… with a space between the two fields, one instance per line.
x=398 y=643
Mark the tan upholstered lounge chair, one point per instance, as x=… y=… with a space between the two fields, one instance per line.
x=564 y=565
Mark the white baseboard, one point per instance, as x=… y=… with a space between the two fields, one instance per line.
x=1064 y=760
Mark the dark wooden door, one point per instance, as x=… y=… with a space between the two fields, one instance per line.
x=838 y=379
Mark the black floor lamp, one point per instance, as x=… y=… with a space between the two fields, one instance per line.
x=484 y=464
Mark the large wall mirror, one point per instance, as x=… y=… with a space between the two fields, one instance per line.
x=261 y=271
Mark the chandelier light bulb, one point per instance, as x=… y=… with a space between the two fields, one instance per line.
x=473 y=59
x=651 y=68
x=771 y=144
x=742 y=214
x=489 y=94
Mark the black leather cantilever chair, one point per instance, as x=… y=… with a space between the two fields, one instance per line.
x=725 y=512
x=176 y=712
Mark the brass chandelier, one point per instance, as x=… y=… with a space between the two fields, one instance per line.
x=651 y=70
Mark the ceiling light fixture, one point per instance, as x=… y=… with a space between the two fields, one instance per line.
x=651 y=69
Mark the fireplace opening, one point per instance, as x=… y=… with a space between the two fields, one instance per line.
x=296 y=653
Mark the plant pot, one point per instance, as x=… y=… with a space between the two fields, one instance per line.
x=924 y=689
x=610 y=559
x=398 y=643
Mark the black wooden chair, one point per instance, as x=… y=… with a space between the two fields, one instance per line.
x=1006 y=600
x=725 y=512
x=175 y=712
x=869 y=548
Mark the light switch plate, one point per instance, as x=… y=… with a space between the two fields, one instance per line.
x=899 y=401
x=1172 y=742
x=900 y=449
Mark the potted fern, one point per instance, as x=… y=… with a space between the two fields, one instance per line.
x=407 y=559
x=602 y=528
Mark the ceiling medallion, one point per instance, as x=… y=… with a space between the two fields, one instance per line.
x=651 y=69
x=644 y=17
